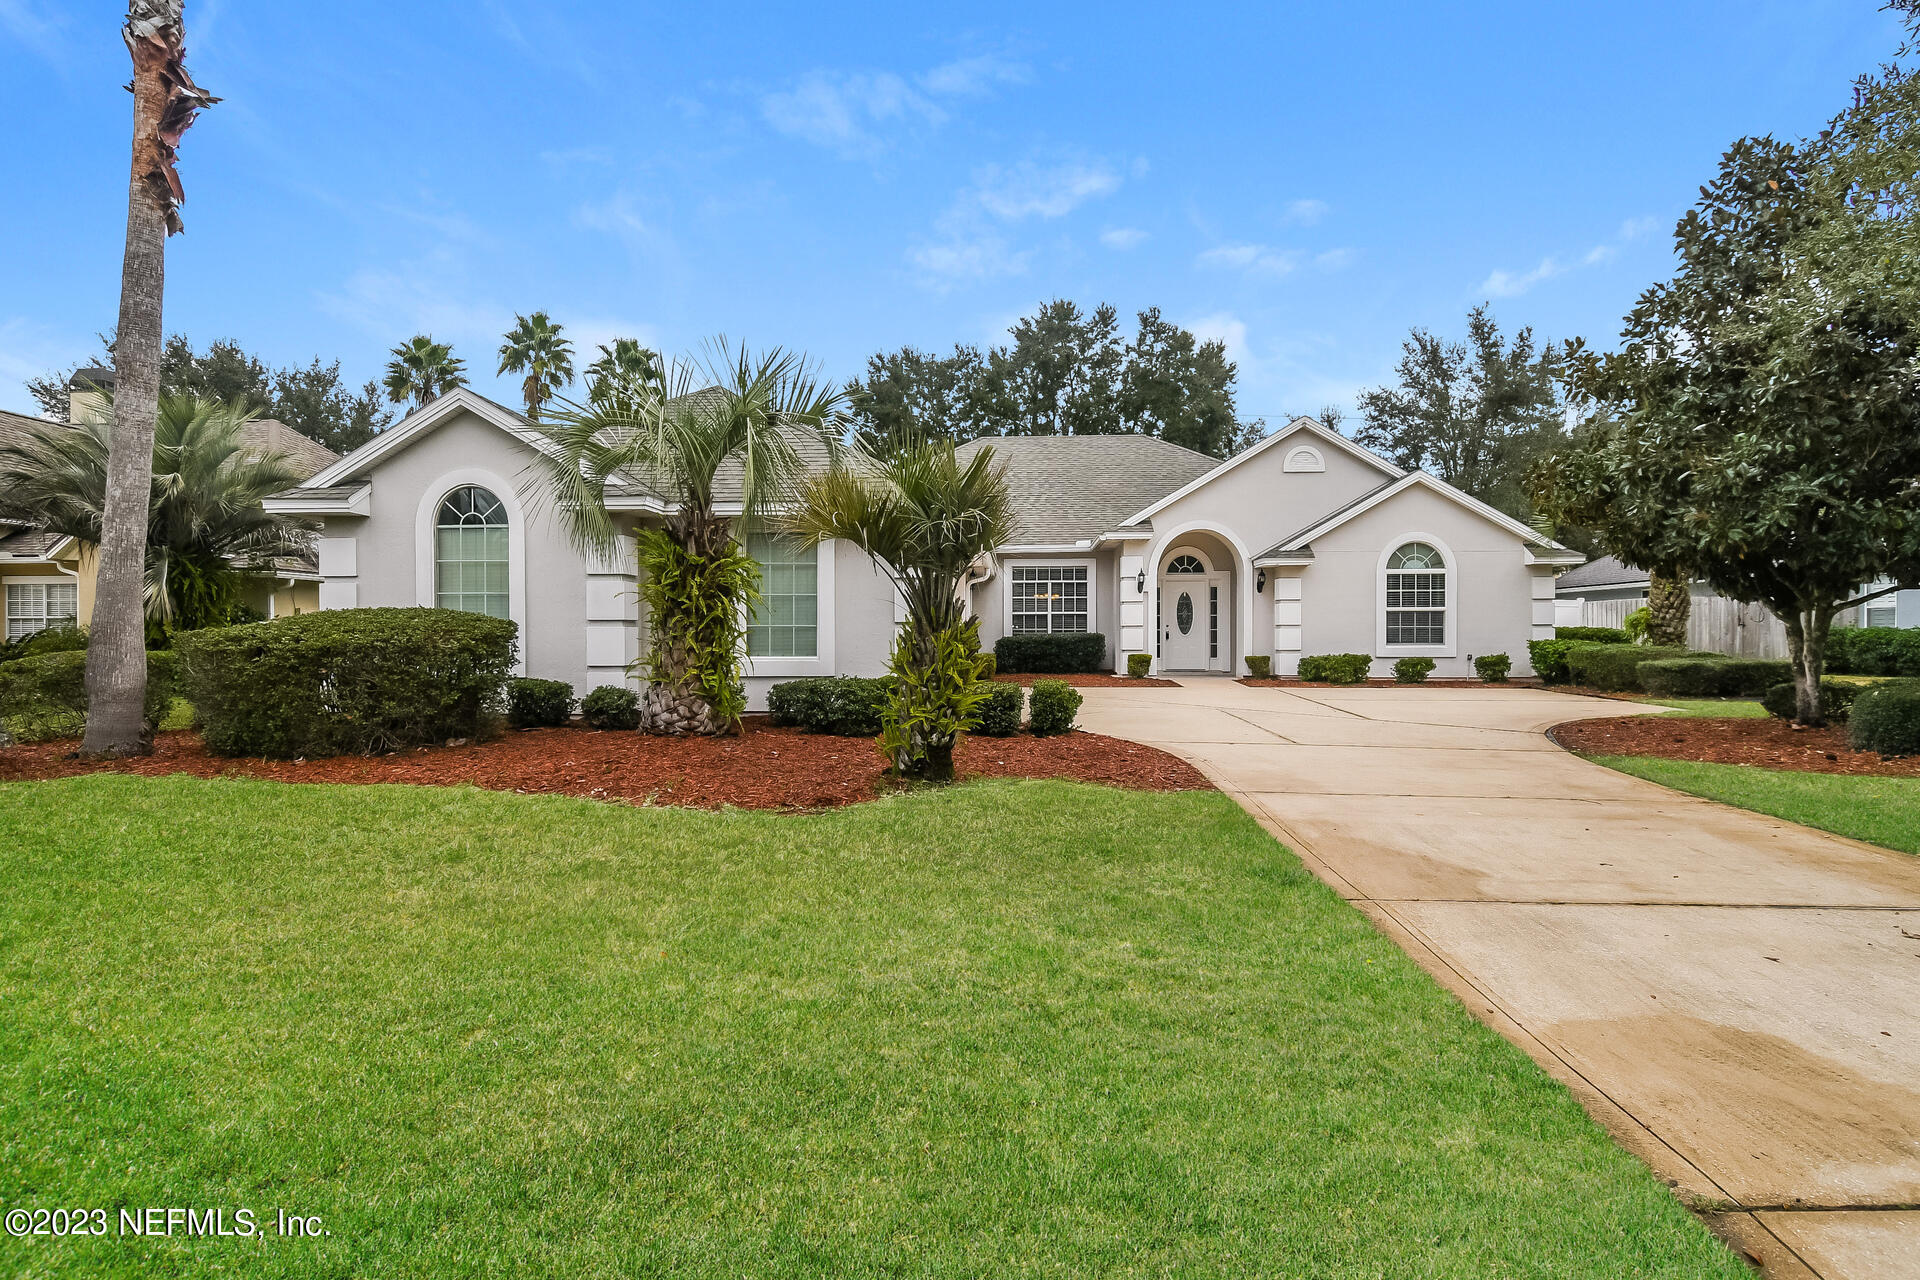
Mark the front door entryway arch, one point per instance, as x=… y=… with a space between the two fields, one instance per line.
x=1195 y=612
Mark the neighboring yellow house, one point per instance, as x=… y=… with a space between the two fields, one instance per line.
x=46 y=579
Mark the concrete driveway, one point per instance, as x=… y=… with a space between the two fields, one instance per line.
x=1735 y=997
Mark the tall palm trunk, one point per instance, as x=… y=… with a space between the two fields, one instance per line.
x=674 y=702
x=116 y=643
x=1669 y=606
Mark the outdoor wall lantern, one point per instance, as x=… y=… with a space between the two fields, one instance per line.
x=1140 y=582
x=1260 y=582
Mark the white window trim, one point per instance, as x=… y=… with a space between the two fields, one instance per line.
x=1451 y=648
x=821 y=664
x=40 y=580
x=427 y=519
x=1006 y=592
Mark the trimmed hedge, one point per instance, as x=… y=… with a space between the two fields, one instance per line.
x=1412 y=670
x=1874 y=651
x=1335 y=668
x=1593 y=635
x=846 y=706
x=1709 y=675
x=1064 y=653
x=45 y=696
x=1493 y=667
x=538 y=704
x=1886 y=719
x=1138 y=664
x=611 y=706
x=999 y=712
x=1259 y=665
x=1055 y=703
x=347 y=681
x=1549 y=659
x=1613 y=667
x=46 y=640
x=1837 y=695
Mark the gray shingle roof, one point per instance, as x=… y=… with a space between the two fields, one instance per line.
x=306 y=456
x=30 y=543
x=1607 y=571
x=1072 y=488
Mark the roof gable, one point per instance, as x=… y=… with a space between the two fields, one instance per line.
x=1544 y=549
x=1292 y=431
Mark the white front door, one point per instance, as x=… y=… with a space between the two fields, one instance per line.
x=1183 y=623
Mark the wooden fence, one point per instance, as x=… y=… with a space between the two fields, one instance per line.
x=1717 y=625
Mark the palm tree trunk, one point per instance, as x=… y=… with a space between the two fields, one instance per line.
x=116 y=642
x=1669 y=606
x=673 y=702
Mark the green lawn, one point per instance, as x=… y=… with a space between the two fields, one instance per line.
x=1883 y=811
x=1010 y=1029
x=1727 y=708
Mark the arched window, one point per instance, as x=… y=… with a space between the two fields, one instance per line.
x=470 y=552
x=1186 y=564
x=1416 y=596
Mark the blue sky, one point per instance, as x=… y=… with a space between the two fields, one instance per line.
x=1306 y=180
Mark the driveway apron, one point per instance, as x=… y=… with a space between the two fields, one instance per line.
x=1735 y=997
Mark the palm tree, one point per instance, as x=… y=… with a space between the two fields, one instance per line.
x=422 y=369
x=205 y=524
x=658 y=429
x=534 y=347
x=1669 y=607
x=925 y=519
x=165 y=100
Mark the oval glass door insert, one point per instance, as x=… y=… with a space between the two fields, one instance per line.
x=1183 y=613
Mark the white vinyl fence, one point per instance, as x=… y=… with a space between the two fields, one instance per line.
x=1718 y=625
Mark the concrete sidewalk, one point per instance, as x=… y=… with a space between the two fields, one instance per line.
x=1735 y=997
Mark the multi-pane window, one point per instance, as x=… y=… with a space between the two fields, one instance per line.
x=1213 y=622
x=35 y=606
x=1050 y=598
x=1881 y=615
x=470 y=552
x=786 y=624
x=1416 y=596
x=1185 y=564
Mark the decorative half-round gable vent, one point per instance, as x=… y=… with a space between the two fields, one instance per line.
x=1304 y=458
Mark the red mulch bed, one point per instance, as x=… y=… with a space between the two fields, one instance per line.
x=763 y=768
x=1089 y=680
x=1768 y=743
x=1388 y=682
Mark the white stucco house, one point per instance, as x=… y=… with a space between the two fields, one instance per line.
x=1305 y=543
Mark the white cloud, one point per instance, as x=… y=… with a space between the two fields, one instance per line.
x=1507 y=284
x=843 y=110
x=1598 y=254
x=1027 y=190
x=1123 y=237
x=419 y=297
x=1225 y=327
x=43 y=33
x=1634 y=228
x=963 y=258
x=1256 y=259
x=1306 y=212
x=971 y=77
x=1333 y=259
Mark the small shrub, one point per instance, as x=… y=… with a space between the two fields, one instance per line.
x=1837 y=696
x=1493 y=667
x=45 y=696
x=1063 y=653
x=1259 y=665
x=1874 y=651
x=1592 y=635
x=1636 y=623
x=1412 y=670
x=611 y=706
x=538 y=704
x=1886 y=719
x=1336 y=668
x=347 y=681
x=1139 y=664
x=846 y=706
x=1055 y=703
x=999 y=711
x=1549 y=659
x=1613 y=667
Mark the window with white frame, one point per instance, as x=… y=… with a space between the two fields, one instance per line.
x=1050 y=597
x=1882 y=611
x=1416 y=596
x=470 y=552
x=35 y=606
x=786 y=623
